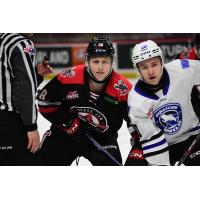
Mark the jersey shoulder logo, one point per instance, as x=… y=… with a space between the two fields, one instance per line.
x=121 y=87
x=68 y=72
x=30 y=50
x=169 y=118
x=185 y=64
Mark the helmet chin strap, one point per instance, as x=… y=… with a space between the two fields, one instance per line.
x=93 y=77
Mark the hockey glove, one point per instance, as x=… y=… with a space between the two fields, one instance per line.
x=72 y=127
x=134 y=135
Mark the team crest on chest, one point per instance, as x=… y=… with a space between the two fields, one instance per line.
x=68 y=72
x=169 y=118
x=92 y=116
x=121 y=87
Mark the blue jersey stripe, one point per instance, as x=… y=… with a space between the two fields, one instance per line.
x=194 y=129
x=154 y=145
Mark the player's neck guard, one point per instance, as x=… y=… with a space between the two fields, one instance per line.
x=159 y=86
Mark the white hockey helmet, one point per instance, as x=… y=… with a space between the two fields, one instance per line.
x=145 y=50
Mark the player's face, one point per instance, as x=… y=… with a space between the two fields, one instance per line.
x=151 y=70
x=100 y=67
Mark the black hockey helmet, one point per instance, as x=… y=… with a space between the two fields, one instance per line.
x=100 y=47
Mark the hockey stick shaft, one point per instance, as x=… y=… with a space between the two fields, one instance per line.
x=95 y=143
x=190 y=149
x=99 y=147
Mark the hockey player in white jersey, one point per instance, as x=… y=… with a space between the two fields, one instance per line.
x=160 y=107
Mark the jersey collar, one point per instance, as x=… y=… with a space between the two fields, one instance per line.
x=145 y=89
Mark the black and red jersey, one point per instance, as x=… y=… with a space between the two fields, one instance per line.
x=68 y=95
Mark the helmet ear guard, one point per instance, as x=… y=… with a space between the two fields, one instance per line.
x=145 y=50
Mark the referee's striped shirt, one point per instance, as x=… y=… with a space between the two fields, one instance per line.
x=18 y=78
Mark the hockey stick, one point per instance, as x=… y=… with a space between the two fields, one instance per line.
x=189 y=150
x=100 y=148
x=191 y=147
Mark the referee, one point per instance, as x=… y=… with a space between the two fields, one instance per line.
x=19 y=138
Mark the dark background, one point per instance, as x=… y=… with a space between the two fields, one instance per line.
x=68 y=49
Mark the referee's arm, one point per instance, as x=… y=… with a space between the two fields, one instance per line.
x=24 y=84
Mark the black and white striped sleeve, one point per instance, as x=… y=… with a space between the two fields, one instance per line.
x=155 y=149
x=23 y=58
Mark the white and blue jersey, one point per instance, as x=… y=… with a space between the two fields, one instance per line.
x=166 y=117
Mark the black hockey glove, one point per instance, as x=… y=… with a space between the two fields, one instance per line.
x=134 y=135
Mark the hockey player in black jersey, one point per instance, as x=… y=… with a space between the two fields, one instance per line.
x=86 y=99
